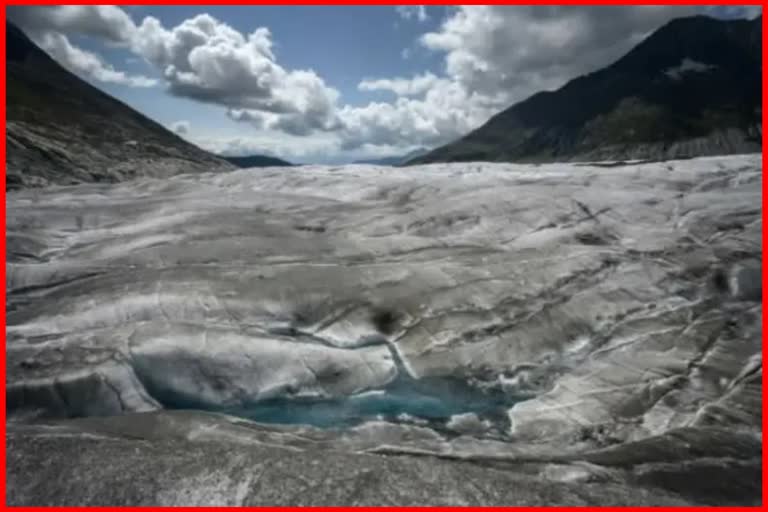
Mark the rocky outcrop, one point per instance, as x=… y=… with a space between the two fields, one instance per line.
x=540 y=335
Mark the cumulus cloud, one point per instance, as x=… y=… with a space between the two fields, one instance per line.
x=207 y=60
x=412 y=12
x=105 y=21
x=88 y=64
x=181 y=127
x=48 y=26
x=443 y=112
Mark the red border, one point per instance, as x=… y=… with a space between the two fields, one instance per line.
x=2 y=249
x=765 y=269
x=375 y=2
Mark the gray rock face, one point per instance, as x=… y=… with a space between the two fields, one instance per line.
x=555 y=334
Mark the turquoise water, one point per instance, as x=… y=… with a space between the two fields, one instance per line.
x=432 y=400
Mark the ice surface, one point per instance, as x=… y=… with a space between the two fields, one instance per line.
x=569 y=296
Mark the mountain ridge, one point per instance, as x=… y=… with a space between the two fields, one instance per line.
x=62 y=130
x=645 y=105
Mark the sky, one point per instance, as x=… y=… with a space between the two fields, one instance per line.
x=335 y=84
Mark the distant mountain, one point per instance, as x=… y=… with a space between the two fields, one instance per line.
x=691 y=88
x=397 y=159
x=62 y=130
x=256 y=161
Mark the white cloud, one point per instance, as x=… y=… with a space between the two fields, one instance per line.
x=444 y=111
x=209 y=61
x=413 y=12
x=181 y=127
x=401 y=86
x=104 y=21
x=86 y=63
x=687 y=66
x=406 y=53
x=48 y=26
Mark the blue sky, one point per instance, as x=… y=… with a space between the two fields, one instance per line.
x=331 y=84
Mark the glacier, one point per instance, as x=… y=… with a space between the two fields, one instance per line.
x=563 y=324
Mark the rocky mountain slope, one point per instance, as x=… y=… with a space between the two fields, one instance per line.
x=62 y=130
x=459 y=334
x=691 y=88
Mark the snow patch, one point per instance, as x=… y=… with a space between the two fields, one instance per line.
x=687 y=66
